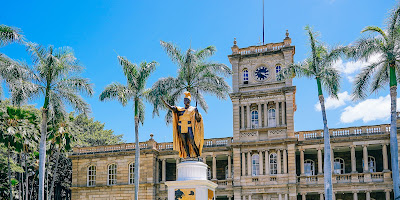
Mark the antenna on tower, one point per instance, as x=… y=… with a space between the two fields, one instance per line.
x=263 y=22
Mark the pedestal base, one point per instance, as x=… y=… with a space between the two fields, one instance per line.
x=192 y=183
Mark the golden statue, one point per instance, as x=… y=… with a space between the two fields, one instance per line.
x=188 y=132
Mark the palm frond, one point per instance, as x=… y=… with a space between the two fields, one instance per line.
x=375 y=29
x=117 y=91
x=10 y=35
x=173 y=52
x=361 y=82
x=330 y=78
x=206 y=52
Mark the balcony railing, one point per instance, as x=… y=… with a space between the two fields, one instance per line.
x=214 y=142
x=347 y=178
x=259 y=49
x=344 y=132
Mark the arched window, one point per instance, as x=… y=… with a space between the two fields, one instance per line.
x=245 y=76
x=254 y=119
x=273 y=163
x=112 y=174
x=91 y=175
x=271 y=118
x=338 y=166
x=309 y=168
x=132 y=173
x=278 y=68
x=371 y=164
x=255 y=167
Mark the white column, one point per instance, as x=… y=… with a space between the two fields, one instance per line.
x=333 y=195
x=321 y=196
x=319 y=161
x=249 y=196
x=242 y=116
x=283 y=112
x=277 y=113
x=260 y=157
x=285 y=167
x=279 y=167
x=264 y=197
x=229 y=167
x=266 y=114
x=248 y=117
x=286 y=196
x=243 y=164
x=365 y=157
x=385 y=158
x=266 y=162
x=229 y=197
x=368 y=195
x=302 y=162
x=244 y=197
x=249 y=163
x=355 y=195
x=259 y=115
x=387 y=194
x=163 y=170
x=353 y=159
x=280 y=196
x=303 y=196
x=214 y=167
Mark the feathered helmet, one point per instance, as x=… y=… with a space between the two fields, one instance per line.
x=188 y=96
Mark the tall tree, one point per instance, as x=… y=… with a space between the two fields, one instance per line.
x=380 y=74
x=54 y=76
x=319 y=67
x=195 y=75
x=135 y=90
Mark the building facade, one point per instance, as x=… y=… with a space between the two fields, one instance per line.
x=264 y=160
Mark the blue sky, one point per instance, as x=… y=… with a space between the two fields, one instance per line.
x=96 y=30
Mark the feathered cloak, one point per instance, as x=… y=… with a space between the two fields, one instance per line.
x=198 y=133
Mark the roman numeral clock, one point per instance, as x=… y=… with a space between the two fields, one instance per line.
x=261 y=73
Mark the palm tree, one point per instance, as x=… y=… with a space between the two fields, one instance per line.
x=54 y=76
x=135 y=90
x=380 y=73
x=194 y=75
x=319 y=67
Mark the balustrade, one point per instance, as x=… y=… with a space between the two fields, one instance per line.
x=344 y=132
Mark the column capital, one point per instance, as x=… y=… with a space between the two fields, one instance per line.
x=365 y=145
x=352 y=146
x=355 y=192
x=260 y=150
x=388 y=190
x=214 y=156
x=384 y=144
x=319 y=148
x=301 y=149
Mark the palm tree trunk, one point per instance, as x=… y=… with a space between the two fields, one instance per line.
x=394 y=149
x=137 y=151
x=327 y=147
x=54 y=174
x=137 y=158
x=42 y=153
x=9 y=170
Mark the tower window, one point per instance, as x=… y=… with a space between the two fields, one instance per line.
x=255 y=165
x=273 y=163
x=278 y=68
x=254 y=119
x=245 y=76
x=271 y=118
x=371 y=164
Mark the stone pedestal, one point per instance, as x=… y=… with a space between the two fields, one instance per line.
x=192 y=183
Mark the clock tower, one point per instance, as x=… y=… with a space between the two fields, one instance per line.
x=263 y=128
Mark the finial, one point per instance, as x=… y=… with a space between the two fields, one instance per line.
x=151 y=136
x=234 y=41
x=287 y=33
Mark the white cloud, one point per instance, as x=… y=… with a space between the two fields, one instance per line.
x=368 y=110
x=332 y=103
x=351 y=67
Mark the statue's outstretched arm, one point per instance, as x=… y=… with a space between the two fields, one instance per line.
x=172 y=108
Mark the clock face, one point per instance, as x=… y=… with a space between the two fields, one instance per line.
x=261 y=73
